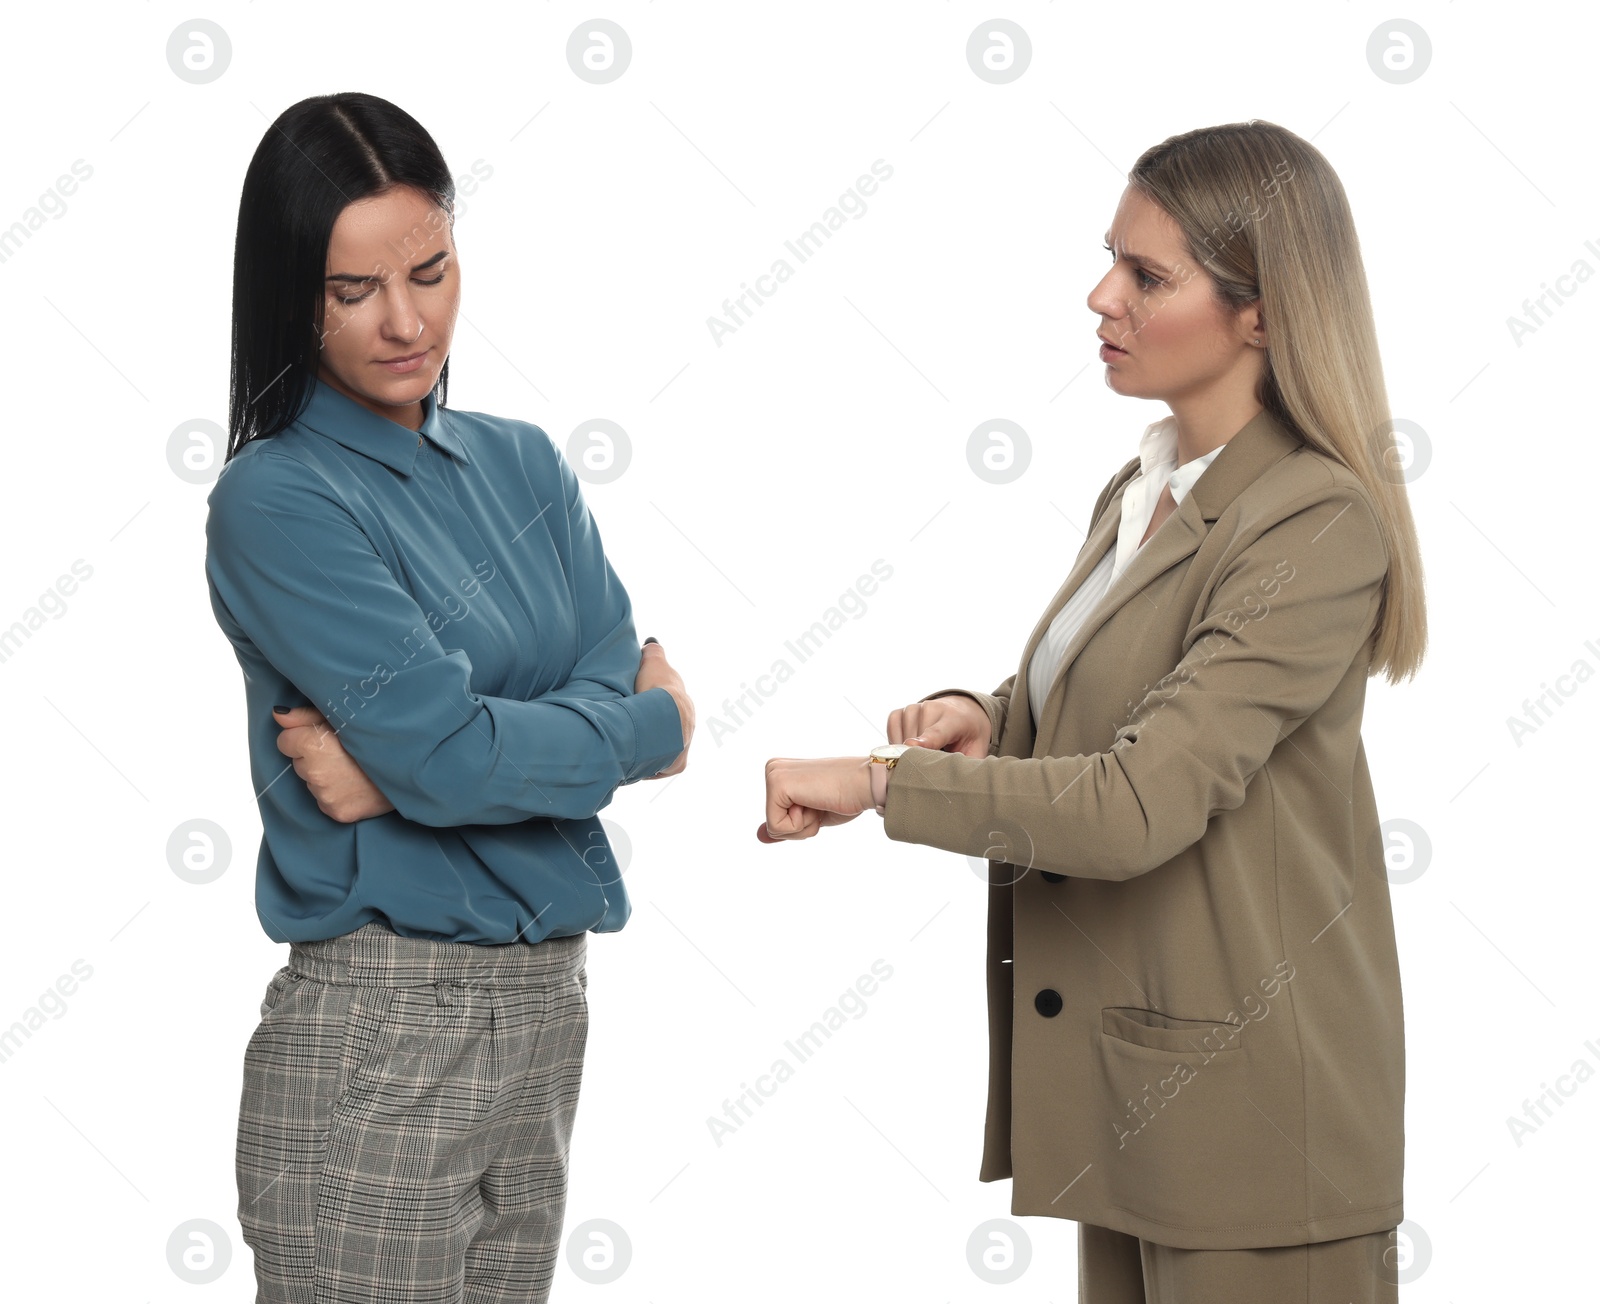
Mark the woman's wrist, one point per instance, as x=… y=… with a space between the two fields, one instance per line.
x=880 y=783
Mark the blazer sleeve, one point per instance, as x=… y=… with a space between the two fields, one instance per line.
x=1292 y=606
x=299 y=577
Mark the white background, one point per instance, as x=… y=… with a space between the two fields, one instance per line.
x=767 y=475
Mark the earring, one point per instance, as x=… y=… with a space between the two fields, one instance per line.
x=1256 y=341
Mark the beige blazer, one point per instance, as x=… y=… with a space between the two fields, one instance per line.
x=1195 y=1026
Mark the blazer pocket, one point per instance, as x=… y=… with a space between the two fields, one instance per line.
x=1187 y=1145
x=1167 y=1032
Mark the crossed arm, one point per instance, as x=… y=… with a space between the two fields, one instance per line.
x=298 y=584
x=344 y=792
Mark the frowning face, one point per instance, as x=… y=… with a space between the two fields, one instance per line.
x=392 y=290
x=1173 y=339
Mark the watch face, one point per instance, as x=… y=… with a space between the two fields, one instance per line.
x=891 y=751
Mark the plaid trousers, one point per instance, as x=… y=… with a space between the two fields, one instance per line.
x=405 y=1119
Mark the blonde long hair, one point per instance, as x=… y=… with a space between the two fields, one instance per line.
x=1264 y=213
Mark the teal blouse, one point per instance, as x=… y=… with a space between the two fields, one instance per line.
x=445 y=601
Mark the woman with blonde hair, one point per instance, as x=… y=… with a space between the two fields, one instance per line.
x=1195 y=1022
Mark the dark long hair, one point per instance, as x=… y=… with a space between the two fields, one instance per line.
x=320 y=155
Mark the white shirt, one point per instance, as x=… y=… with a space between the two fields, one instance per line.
x=1158 y=466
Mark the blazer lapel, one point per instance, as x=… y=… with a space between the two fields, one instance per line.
x=1255 y=447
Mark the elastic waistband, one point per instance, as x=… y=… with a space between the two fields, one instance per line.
x=376 y=956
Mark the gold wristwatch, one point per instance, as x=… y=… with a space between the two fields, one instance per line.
x=885 y=755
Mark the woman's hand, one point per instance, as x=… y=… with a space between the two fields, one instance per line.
x=656 y=672
x=341 y=787
x=947 y=724
x=804 y=796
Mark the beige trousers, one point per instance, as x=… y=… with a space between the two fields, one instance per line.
x=1115 y=1268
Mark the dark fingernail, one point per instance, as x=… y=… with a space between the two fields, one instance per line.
x=652 y=639
x=280 y=710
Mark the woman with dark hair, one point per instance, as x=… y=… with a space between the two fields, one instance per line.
x=433 y=640
x=1195 y=1025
